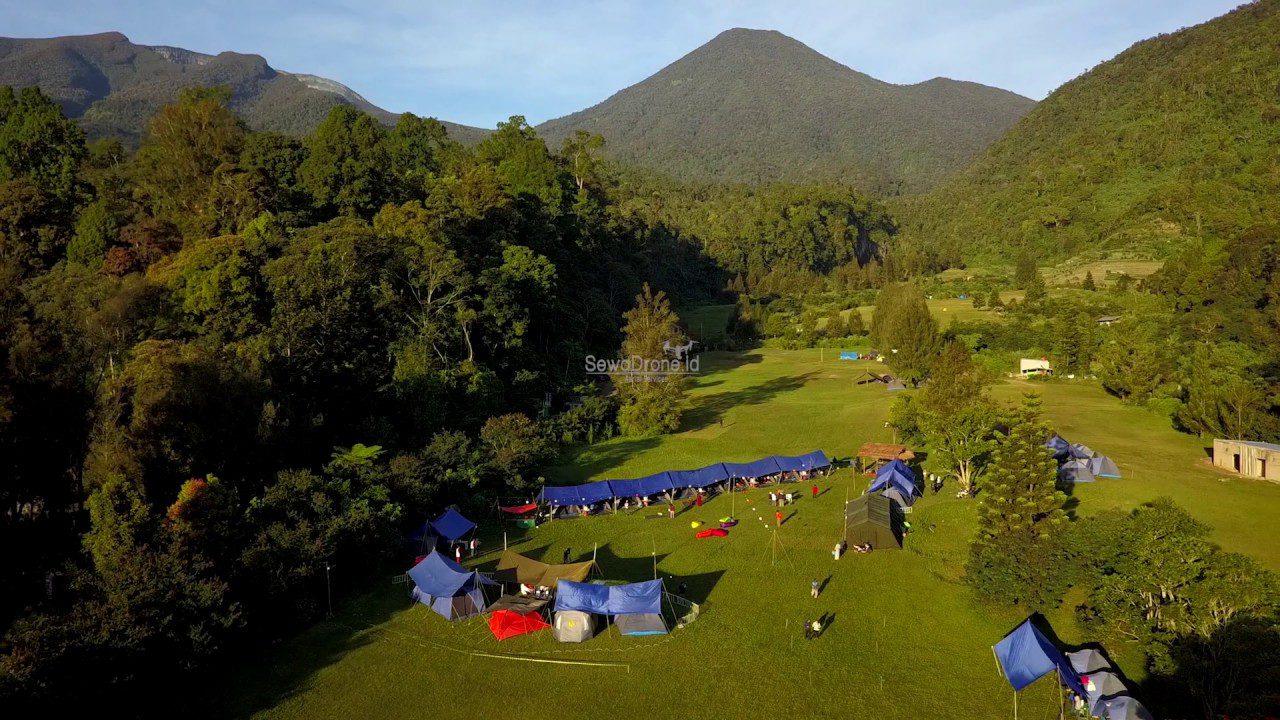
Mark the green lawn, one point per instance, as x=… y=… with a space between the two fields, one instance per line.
x=908 y=640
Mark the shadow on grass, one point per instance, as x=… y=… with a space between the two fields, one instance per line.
x=695 y=587
x=259 y=679
x=710 y=409
x=586 y=461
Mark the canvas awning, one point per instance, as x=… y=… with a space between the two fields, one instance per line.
x=516 y=568
x=1026 y=655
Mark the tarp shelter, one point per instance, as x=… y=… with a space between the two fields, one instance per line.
x=895 y=473
x=516 y=568
x=701 y=478
x=1026 y=655
x=802 y=463
x=520 y=509
x=1103 y=466
x=1075 y=471
x=585 y=494
x=448 y=588
x=633 y=598
x=756 y=469
x=509 y=623
x=1059 y=445
x=452 y=526
x=573 y=626
x=870 y=520
x=815 y=460
x=641 y=624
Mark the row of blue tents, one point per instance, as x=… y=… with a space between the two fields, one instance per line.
x=674 y=480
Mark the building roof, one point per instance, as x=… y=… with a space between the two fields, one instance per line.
x=1257 y=444
x=885 y=451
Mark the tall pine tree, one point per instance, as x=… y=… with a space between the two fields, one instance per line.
x=651 y=402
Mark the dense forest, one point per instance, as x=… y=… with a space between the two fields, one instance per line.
x=234 y=358
x=1173 y=139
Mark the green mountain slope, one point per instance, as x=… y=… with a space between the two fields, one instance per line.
x=1177 y=136
x=756 y=105
x=114 y=86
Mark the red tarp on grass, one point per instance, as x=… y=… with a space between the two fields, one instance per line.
x=509 y=623
x=520 y=509
x=711 y=532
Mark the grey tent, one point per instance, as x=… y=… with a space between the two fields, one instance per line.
x=1075 y=471
x=904 y=500
x=573 y=626
x=1124 y=707
x=871 y=520
x=1103 y=466
x=1102 y=686
x=1088 y=661
x=1080 y=451
x=641 y=624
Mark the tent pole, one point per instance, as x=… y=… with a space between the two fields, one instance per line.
x=654 y=555
x=1015 y=705
x=504 y=540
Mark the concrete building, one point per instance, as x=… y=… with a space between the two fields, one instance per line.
x=1248 y=458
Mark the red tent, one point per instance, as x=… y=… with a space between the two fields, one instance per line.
x=509 y=623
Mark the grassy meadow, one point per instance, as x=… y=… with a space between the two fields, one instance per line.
x=908 y=640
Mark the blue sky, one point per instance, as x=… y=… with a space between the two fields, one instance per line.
x=479 y=62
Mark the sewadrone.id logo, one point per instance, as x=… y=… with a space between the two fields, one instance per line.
x=677 y=359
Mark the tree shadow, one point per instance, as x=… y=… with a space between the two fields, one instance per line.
x=1234 y=672
x=710 y=409
x=579 y=464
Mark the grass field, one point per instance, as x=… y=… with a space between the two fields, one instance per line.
x=908 y=639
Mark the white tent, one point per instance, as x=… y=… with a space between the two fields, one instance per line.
x=573 y=626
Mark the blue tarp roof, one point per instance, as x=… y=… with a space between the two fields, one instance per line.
x=451 y=525
x=585 y=494
x=895 y=473
x=816 y=459
x=754 y=469
x=635 y=598
x=626 y=488
x=1026 y=655
x=789 y=463
x=438 y=576
x=656 y=483
x=700 y=478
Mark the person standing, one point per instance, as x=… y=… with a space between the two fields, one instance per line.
x=813 y=588
x=457 y=554
x=698 y=501
x=568 y=552
x=475 y=544
x=815 y=491
x=671 y=510
x=778 y=518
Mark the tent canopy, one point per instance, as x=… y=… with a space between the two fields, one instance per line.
x=755 y=469
x=1075 y=471
x=438 y=576
x=815 y=460
x=870 y=520
x=905 y=500
x=516 y=568
x=1103 y=466
x=1026 y=655
x=641 y=624
x=700 y=478
x=1081 y=451
x=585 y=494
x=452 y=526
x=642 y=597
x=1059 y=445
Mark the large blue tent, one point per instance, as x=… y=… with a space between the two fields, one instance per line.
x=815 y=460
x=700 y=478
x=895 y=473
x=585 y=494
x=756 y=469
x=1059 y=445
x=632 y=599
x=448 y=588
x=451 y=525
x=1026 y=655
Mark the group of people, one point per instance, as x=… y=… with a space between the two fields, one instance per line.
x=473 y=544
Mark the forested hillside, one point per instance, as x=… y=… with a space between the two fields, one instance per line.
x=114 y=86
x=755 y=106
x=1174 y=138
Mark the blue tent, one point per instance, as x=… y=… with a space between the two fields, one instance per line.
x=1026 y=655
x=1059 y=445
x=451 y=525
x=448 y=588
x=634 y=598
x=756 y=469
x=656 y=483
x=895 y=473
x=626 y=488
x=585 y=494
x=815 y=460
x=700 y=478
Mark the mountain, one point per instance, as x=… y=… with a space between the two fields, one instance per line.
x=114 y=86
x=756 y=105
x=1175 y=137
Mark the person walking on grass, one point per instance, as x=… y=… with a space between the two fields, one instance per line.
x=815 y=491
x=814 y=587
